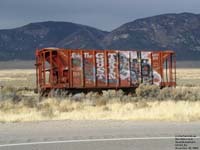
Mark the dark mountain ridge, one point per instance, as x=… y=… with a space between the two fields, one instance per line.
x=179 y=32
x=20 y=43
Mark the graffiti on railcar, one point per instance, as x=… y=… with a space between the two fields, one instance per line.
x=124 y=66
x=149 y=75
x=100 y=66
x=134 y=67
x=76 y=60
x=88 y=68
x=112 y=62
x=156 y=65
x=156 y=78
x=146 y=67
x=129 y=66
x=134 y=71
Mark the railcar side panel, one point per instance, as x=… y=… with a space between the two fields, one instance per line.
x=103 y=69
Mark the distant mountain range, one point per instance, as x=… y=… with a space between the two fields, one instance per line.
x=180 y=32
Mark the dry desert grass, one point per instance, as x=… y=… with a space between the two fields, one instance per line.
x=52 y=109
x=188 y=77
x=18 y=78
x=26 y=77
x=19 y=103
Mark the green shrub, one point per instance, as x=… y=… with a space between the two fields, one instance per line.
x=7 y=105
x=148 y=91
x=30 y=101
x=102 y=101
x=10 y=93
x=166 y=93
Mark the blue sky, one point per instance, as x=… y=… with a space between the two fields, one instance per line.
x=102 y=14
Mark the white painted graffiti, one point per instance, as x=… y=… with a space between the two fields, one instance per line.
x=124 y=66
x=75 y=55
x=87 y=55
x=155 y=56
x=112 y=64
x=145 y=55
x=100 y=66
x=156 y=78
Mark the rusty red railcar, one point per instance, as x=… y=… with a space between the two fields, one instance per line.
x=96 y=70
